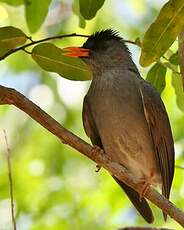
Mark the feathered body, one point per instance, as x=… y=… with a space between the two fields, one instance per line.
x=125 y=116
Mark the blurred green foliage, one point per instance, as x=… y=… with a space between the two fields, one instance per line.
x=56 y=187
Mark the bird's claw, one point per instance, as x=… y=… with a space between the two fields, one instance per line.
x=144 y=189
x=98 y=167
x=63 y=141
x=96 y=150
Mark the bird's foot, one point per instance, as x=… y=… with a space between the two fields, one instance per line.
x=63 y=141
x=98 y=167
x=97 y=150
x=146 y=185
x=146 y=182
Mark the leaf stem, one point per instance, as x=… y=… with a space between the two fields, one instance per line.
x=26 y=51
x=169 y=66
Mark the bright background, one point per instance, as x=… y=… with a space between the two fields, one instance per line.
x=56 y=187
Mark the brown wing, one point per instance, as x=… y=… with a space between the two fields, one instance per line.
x=89 y=124
x=160 y=131
x=92 y=132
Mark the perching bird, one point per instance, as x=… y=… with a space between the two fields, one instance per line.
x=125 y=116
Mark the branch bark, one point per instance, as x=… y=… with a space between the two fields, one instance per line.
x=12 y=97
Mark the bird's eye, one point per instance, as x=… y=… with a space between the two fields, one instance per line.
x=89 y=45
x=95 y=45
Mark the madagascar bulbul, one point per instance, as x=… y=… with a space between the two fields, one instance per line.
x=125 y=116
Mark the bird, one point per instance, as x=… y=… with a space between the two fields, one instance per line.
x=125 y=116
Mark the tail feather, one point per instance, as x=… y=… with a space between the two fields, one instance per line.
x=141 y=205
x=166 y=194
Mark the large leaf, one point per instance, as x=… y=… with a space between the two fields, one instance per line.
x=36 y=11
x=10 y=37
x=51 y=58
x=178 y=87
x=162 y=33
x=156 y=76
x=13 y=2
x=76 y=10
x=89 y=8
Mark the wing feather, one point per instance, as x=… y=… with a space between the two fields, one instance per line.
x=89 y=124
x=160 y=132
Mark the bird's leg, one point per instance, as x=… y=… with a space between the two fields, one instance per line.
x=146 y=181
x=146 y=185
x=96 y=150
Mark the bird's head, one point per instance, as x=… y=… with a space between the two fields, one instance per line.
x=104 y=49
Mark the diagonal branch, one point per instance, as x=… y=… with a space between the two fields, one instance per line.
x=11 y=96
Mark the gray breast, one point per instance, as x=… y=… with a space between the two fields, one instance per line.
x=118 y=113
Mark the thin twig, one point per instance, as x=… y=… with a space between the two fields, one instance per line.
x=179 y=167
x=26 y=51
x=48 y=39
x=167 y=59
x=11 y=96
x=10 y=181
x=39 y=41
x=131 y=42
x=169 y=66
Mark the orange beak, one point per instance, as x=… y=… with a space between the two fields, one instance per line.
x=76 y=52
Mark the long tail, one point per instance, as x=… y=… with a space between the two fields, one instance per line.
x=141 y=205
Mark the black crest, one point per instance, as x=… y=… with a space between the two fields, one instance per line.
x=96 y=41
x=106 y=35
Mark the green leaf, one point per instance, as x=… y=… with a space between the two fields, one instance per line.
x=181 y=54
x=10 y=37
x=174 y=59
x=51 y=58
x=82 y=22
x=13 y=2
x=36 y=11
x=76 y=10
x=89 y=8
x=162 y=33
x=156 y=76
x=178 y=87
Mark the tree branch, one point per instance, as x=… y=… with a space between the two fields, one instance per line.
x=11 y=96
